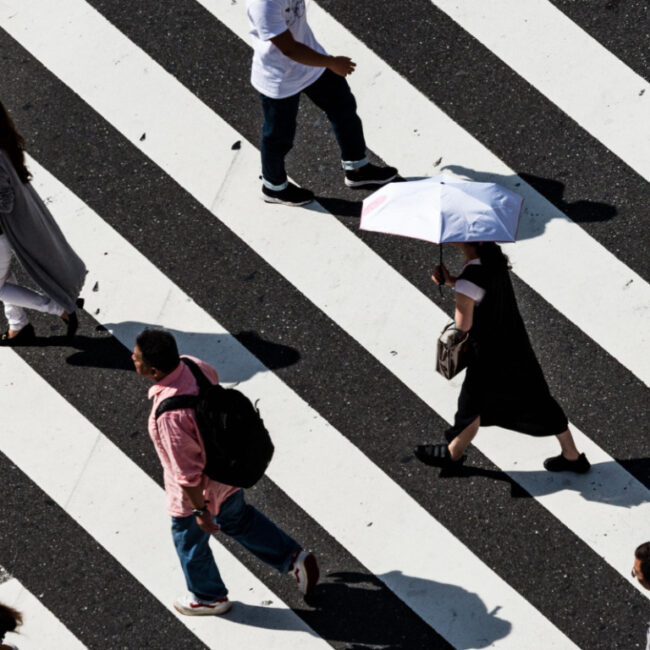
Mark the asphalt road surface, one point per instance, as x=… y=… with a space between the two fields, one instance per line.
x=142 y=132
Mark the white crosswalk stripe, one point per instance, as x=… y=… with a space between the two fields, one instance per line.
x=414 y=145
x=41 y=630
x=336 y=271
x=597 y=90
x=465 y=600
x=143 y=295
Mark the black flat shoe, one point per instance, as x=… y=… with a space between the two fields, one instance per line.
x=561 y=464
x=25 y=336
x=72 y=324
x=437 y=456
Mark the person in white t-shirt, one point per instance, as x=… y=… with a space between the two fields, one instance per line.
x=288 y=61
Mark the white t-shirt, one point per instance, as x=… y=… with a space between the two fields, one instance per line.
x=274 y=74
x=468 y=288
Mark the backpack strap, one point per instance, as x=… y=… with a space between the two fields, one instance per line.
x=176 y=402
x=200 y=378
x=185 y=401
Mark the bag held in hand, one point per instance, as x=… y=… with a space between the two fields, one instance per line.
x=238 y=447
x=453 y=351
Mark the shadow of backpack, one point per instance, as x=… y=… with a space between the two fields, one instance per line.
x=238 y=447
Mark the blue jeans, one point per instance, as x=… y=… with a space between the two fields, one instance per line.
x=242 y=522
x=331 y=93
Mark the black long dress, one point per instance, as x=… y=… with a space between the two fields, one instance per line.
x=504 y=384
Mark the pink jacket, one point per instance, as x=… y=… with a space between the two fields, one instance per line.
x=179 y=445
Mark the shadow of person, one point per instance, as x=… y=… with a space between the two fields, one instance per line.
x=638 y=467
x=346 y=207
x=456 y=614
x=266 y=617
x=92 y=351
x=540 y=206
x=605 y=483
x=358 y=609
x=222 y=350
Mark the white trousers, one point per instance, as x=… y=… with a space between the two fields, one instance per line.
x=16 y=298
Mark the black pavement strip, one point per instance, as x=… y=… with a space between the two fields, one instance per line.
x=351 y=607
x=80 y=582
x=586 y=380
x=347 y=386
x=550 y=151
x=619 y=25
x=572 y=169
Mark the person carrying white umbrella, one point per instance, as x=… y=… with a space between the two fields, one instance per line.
x=504 y=384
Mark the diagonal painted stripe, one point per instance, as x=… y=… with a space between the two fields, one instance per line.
x=615 y=316
x=41 y=630
x=431 y=585
x=332 y=268
x=621 y=28
x=578 y=74
x=114 y=500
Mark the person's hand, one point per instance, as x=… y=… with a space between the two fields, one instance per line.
x=342 y=65
x=206 y=523
x=441 y=275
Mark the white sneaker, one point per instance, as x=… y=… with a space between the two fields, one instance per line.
x=305 y=570
x=191 y=607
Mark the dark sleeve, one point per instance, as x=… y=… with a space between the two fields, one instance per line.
x=474 y=274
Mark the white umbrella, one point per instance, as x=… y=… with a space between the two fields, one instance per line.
x=444 y=209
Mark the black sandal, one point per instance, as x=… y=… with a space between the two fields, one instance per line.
x=25 y=335
x=437 y=456
x=72 y=322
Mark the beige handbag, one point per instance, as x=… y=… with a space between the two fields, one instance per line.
x=453 y=350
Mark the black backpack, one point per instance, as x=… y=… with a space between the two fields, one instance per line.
x=238 y=447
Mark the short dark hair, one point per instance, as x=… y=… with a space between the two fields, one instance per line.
x=10 y=619
x=158 y=349
x=642 y=554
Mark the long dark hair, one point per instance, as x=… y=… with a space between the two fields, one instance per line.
x=13 y=144
x=492 y=256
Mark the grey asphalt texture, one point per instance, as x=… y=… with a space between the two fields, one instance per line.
x=507 y=529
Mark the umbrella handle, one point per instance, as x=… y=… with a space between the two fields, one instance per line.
x=440 y=286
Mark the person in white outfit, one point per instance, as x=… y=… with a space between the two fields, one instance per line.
x=28 y=231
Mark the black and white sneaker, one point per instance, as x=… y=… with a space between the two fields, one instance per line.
x=290 y=195
x=369 y=175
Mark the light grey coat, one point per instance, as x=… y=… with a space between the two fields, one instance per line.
x=36 y=239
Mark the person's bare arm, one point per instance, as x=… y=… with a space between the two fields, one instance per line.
x=195 y=495
x=301 y=53
x=464 y=316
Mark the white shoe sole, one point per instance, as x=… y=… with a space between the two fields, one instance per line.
x=350 y=183
x=306 y=572
x=271 y=199
x=217 y=610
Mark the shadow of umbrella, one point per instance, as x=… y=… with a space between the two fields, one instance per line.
x=550 y=189
x=464 y=619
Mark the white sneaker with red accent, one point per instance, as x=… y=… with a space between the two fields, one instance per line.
x=189 y=606
x=305 y=571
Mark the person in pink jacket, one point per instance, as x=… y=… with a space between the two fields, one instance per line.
x=199 y=506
